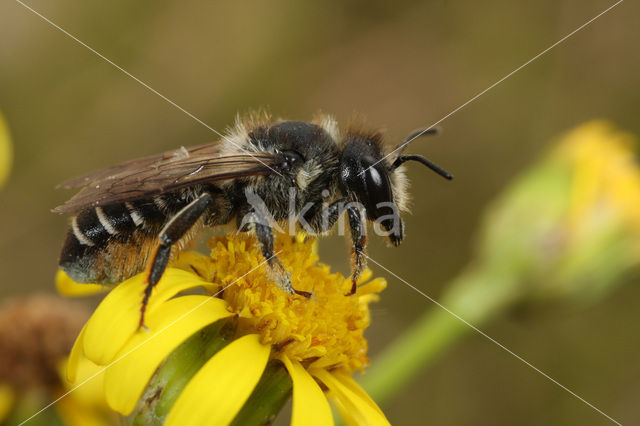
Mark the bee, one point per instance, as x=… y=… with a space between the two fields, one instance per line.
x=141 y=213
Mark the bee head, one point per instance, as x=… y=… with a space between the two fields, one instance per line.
x=366 y=180
x=369 y=178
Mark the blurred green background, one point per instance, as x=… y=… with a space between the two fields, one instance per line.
x=401 y=64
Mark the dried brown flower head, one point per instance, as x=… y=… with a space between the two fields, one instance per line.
x=36 y=333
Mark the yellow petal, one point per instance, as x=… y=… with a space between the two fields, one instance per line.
x=85 y=404
x=75 y=357
x=192 y=261
x=310 y=406
x=6 y=401
x=169 y=325
x=344 y=411
x=5 y=151
x=88 y=387
x=354 y=387
x=118 y=316
x=74 y=414
x=67 y=287
x=354 y=409
x=218 y=391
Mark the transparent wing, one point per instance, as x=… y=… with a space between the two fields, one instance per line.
x=162 y=173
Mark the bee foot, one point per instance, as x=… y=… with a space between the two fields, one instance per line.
x=307 y=294
x=354 y=288
x=142 y=326
x=283 y=279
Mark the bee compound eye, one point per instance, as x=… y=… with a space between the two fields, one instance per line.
x=378 y=191
x=374 y=180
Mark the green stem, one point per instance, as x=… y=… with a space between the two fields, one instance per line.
x=177 y=370
x=267 y=399
x=475 y=297
x=271 y=393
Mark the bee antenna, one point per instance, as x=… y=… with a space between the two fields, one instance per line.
x=427 y=131
x=420 y=159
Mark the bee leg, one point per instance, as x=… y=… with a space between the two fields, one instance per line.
x=172 y=232
x=323 y=220
x=265 y=237
x=358 y=228
x=264 y=233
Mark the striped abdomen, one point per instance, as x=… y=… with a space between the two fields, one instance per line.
x=111 y=243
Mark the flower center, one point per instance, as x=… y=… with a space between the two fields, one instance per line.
x=325 y=331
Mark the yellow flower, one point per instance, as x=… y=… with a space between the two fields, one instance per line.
x=606 y=177
x=5 y=151
x=319 y=341
x=570 y=226
x=36 y=334
x=567 y=229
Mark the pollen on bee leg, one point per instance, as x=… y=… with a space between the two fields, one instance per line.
x=358 y=266
x=282 y=278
